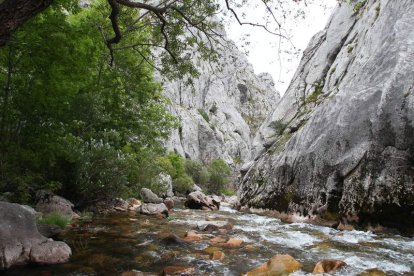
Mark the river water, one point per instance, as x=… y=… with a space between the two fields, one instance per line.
x=112 y=244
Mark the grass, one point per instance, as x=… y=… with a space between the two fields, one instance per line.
x=312 y=98
x=228 y=192
x=55 y=219
x=279 y=126
x=204 y=115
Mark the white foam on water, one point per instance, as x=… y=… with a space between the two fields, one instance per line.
x=228 y=209
x=293 y=239
x=354 y=237
x=368 y=263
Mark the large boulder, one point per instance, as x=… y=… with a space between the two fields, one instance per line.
x=198 y=200
x=112 y=205
x=47 y=202
x=165 y=184
x=153 y=209
x=21 y=242
x=149 y=197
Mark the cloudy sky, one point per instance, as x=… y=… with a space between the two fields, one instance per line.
x=267 y=52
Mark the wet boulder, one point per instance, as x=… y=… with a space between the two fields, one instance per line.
x=277 y=265
x=149 y=197
x=198 y=200
x=153 y=209
x=47 y=202
x=49 y=230
x=173 y=239
x=328 y=266
x=211 y=226
x=169 y=203
x=21 y=242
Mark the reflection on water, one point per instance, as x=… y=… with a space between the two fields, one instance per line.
x=110 y=245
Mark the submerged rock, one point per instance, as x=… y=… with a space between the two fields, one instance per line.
x=21 y=243
x=210 y=226
x=198 y=200
x=178 y=270
x=277 y=265
x=328 y=266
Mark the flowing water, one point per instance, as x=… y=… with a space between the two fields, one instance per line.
x=110 y=245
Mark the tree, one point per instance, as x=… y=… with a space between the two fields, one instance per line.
x=70 y=120
x=178 y=27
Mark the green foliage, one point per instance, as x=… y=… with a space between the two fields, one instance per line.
x=178 y=165
x=197 y=171
x=54 y=219
x=228 y=192
x=70 y=118
x=220 y=173
x=204 y=115
x=279 y=126
x=312 y=98
x=183 y=184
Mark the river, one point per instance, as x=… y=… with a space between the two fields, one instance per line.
x=112 y=244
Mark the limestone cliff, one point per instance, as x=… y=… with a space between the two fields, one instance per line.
x=221 y=112
x=340 y=143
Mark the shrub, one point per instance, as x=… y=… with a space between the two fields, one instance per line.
x=183 y=184
x=197 y=171
x=55 y=219
x=204 y=115
x=177 y=163
x=219 y=175
x=228 y=192
x=279 y=126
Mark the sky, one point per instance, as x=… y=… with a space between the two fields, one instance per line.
x=266 y=52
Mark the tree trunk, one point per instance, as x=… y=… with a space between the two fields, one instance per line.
x=13 y=13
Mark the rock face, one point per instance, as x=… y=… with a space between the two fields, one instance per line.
x=340 y=145
x=20 y=241
x=222 y=111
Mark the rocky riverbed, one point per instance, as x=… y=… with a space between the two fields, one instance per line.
x=223 y=242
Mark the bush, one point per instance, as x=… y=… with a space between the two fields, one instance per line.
x=279 y=126
x=197 y=171
x=55 y=219
x=219 y=175
x=178 y=165
x=183 y=184
x=228 y=192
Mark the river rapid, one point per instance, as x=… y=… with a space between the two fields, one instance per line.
x=113 y=244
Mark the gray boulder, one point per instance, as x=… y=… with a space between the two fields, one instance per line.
x=149 y=197
x=198 y=200
x=47 y=202
x=21 y=243
x=153 y=209
x=165 y=184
